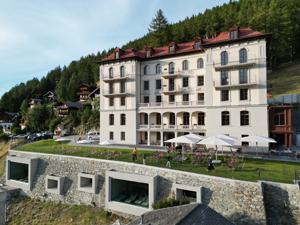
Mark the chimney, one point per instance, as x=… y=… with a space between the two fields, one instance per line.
x=142 y=222
x=215 y=34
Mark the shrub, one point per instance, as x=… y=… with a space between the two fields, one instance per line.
x=17 y=131
x=4 y=137
x=170 y=202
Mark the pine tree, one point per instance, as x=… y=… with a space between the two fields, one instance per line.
x=158 y=29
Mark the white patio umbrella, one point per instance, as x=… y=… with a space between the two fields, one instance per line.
x=214 y=140
x=62 y=141
x=108 y=143
x=224 y=136
x=183 y=139
x=85 y=142
x=257 y=138
x=196 y=136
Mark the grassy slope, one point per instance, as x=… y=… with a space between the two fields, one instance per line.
x=285 y=80
x=30 y=211
x=281 y=171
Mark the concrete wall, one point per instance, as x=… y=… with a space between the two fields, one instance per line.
x=242 y=202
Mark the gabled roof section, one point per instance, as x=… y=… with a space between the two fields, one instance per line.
x=87 y=85
x=49 y=92
x=12 y=114
x=96 y=91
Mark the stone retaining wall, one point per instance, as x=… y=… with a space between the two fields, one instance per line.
x=241 y=202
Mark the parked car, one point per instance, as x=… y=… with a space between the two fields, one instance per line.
x=44 y=136
x=94 y=135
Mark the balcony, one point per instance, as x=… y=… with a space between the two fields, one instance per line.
x=84 y=98
x=116 y=77
x=219 y=85
x=172 y=90
x=84 y=93
x=172 y=127
x=234 y=63
x=115 y=93
x=176 y=73
x=171 y=104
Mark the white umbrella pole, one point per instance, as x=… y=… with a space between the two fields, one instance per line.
x=256 y=151
x=216 y=152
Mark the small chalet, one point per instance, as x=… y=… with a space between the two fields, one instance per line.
x=33 y=101
x=94 y=95
x=6 y=120
x=23 y=123
x=280 y=125
x=64 y=108
x=51 y=97
x=85 y=91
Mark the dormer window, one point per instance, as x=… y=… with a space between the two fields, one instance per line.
x=148 y=53
x=233 y=34
x=197 y=45
x=172 y=49
x=117 y=55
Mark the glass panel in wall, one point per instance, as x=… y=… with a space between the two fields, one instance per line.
x=18 y=171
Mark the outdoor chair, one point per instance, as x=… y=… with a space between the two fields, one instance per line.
x=241 y=166
x=194 y=162
x=132 y=198
x=234 y=161
x=146 y=202
x=223 y=164
x=266 y=154
x=140 y=200
x=152 y=159
x=241 y=159
x=79 y=149
x=230 y=167
x=120 y=198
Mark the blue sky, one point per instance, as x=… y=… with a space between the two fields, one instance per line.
x=36 y=36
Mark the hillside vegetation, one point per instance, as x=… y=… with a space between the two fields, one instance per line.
x=285 y=80
x=281 y=17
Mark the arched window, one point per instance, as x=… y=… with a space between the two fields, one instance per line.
x=224 y=58
x=200 y=63
x=111 y=72
x=146 y=70
x=186 y=119
x=225 y=118
x=158 y=68
x=185 y=65
x=201 y=118
x=122 y=71
x=243 y=55
x=244 y=118
x=171 y=68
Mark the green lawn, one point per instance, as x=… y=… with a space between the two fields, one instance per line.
x=270 y=170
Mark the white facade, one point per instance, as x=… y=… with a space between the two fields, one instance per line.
x=185 y=110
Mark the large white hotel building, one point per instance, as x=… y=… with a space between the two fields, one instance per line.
x=205 y=87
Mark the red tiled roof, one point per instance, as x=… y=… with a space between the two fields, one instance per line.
x=185 y=47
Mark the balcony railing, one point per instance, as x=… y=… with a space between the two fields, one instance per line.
x=171 y=104
x=83 y=93
x=116 y=77
x=171 y=127
x=171 y=90
x=176 y=73
x=233 y=83
x=113 y=93
x=235 y=62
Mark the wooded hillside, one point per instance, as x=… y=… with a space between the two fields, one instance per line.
x=282 y=17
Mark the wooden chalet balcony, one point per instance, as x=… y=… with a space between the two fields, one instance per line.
x=84 y=98
x=62 y=107
x=115 y=93
x=231 y=84
x=63 y=112
x=171 y=104
x=235 y=63
x=83 y=93
x=176 y=73
x=116 y=77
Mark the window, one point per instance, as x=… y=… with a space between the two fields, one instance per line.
x=172 y=118
x=200 y=96
x=158 y=119
x=122 y=71
x=146 y=70
x=111 y=88
x=197 y=45
x=111 y=119
x=148 y=53
x=172 y=49
x=171 y=68
x=122 y=136
x=146 y=119
x=158 y=98
x=200 y=63
x=111 y=72
x=186 y=119
x=185 y=65
x=171 y=84
x=244 y=118
x=111 y=135
x=111 y=101
x=158 y=69
x=122 y=87
x=123 y=100
x=171 y=98
x=185 y=82
x=233 y=34
x=158 y=84
x=201 y=117
x=185 y=97
x=225 y=118
x=158 y=136
x=224 y=78
x=245 y=143
x=117 y=55
x=243 y=55
x=224 y=58
x=243 y=76
x=244 y=94
x=146 y=99
x=123 y=119
x=279 y=117
x=146 y=85
x=225 y=95
x=200 y=80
